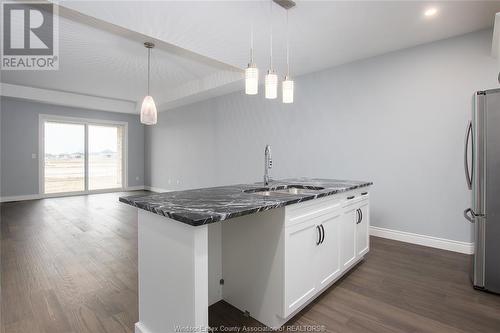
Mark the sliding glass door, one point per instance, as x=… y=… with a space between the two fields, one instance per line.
x=105 y=157
x=81 y=156
x=64 y=157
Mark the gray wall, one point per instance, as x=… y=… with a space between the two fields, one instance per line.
x=181 y=148
x=19 y=139
x=397 y=120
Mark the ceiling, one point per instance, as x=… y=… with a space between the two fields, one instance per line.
x=205 y=44
x=102 y=60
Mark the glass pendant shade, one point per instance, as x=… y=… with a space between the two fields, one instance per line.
x=271 y=85
x=149 y=115
x=251 y=80
x=287 y=92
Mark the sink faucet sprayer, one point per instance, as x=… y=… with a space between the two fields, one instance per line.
x=268 y=164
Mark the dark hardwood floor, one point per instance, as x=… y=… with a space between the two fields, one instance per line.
x=70 y=265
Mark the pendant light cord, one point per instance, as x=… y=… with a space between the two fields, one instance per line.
x=251 y=43
x=149 y=66
x=271 y=35
x=287 y=47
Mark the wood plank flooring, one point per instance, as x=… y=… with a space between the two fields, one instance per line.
x=70 y=265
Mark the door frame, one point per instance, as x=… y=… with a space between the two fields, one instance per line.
x=42 y=118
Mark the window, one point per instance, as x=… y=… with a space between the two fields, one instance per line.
x=81 y=156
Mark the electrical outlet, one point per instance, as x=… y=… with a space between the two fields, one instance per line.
x=137 y=178
x=33 y=156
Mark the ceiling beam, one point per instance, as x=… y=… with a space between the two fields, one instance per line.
x=63 y=98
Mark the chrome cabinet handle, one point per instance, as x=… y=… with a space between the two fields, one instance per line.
x=468 y=137
x=468 y=217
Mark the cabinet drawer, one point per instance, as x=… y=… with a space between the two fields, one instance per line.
x=307 y=210
x=354 y=199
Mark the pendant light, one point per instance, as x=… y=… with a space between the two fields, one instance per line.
x=251 y=72
x=287 y=84
x=149 y=115
x=271 y=80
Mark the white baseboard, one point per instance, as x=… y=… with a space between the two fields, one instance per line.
x=139 y=328
x=156 y=189
x=136 y=188
x=56 y=195
x=435 y=242
x=20 y=198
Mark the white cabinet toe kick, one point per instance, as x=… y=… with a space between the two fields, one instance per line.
x=269 y=264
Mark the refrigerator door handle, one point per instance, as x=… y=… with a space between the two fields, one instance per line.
x=468 y=217
x=468 y=137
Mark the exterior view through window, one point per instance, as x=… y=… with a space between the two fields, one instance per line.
x=82 y=157
x=64 y=157
x=105 y=157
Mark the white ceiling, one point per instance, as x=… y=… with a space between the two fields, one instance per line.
x=105 y=61
x=323 y=33
x=100 y=61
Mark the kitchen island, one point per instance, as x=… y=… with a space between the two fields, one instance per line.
x=267 y=250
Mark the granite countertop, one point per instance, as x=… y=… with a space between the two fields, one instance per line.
x=208 y=205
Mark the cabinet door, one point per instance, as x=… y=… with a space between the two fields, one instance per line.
x=300 y=250
x=328 y=258
x=348 y=237
x=362 y=229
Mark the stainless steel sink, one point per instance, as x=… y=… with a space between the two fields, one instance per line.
x=290 y=189
x=263 y=193
x=295 y=191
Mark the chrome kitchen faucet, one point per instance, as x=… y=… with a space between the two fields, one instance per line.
x=268 y=164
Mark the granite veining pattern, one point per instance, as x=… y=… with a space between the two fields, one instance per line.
x=208 y=205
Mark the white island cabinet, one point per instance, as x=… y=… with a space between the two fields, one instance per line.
x=268 y=264
x=290 y=257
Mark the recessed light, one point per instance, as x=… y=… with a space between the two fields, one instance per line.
x=431 y=12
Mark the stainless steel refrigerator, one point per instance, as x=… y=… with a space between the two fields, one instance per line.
x=482 y=171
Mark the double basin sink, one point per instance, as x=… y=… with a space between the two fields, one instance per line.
x=285 y=189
